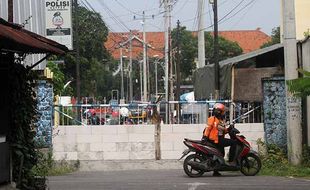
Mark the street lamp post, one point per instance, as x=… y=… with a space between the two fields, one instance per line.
x=156 y=85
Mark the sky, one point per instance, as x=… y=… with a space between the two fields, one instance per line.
x=235 y=14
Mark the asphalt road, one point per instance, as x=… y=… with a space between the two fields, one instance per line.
x=170 y=179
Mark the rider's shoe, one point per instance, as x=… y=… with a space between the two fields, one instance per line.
x=233 y=163
x=216 y=173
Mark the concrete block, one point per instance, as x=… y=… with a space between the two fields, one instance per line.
x=64 y=139
x=193 y=136
x=116 y=155
x=166 y=129
x=90 y=155
x=78 y=130
x=59 y=147
x=179 y=146
x=115 y=138
x=166 y=146
x=186 y=129
x=72 y=156
x=142 y=155
x=150 y=129
x=103 y=130
x=141 y=137
x=89 y=138
x=109 y=147
x=123 y=129
x=123 y=146
x=71 y=147
x=59 y=155
x=96 y=147
x=172 y=137
x=59 y=130
x=171 y=154
x=142 y=146
x=83 y=147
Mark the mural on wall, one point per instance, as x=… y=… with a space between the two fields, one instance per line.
x=274 y=105
x=45 y=105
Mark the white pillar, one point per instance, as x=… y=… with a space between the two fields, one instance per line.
x=293 y=104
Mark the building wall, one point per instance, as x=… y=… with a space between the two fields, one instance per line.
x=22 y=10
x=95 y=143
x=45 y=109
x=302 y=17
x=274 y=105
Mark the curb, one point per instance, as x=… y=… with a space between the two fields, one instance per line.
x=118 y=165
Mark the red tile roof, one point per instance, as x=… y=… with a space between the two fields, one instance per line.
x=248 y=40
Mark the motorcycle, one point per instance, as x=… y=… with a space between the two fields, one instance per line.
x=207 y=157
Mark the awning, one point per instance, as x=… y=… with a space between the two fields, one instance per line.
x=16 y=39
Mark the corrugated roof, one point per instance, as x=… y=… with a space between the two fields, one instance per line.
x=14 y=38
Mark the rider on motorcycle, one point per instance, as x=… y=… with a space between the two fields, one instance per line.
x=215 y=133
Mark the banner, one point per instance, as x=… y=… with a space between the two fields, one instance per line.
x=59 y=22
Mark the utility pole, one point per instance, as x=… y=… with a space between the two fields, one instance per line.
x=10 y=11
x=178 y=71
x=144 y=61
x=201 y=35
x=167 y=6
x=293 y=104
x=122 y=72
x=216 y=53
x=130 y=68
x=78 y=81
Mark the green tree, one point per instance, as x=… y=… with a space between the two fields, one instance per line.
x=189 y=50
x=275 y=38
x=93 y=55
x=227 y=48
x=301 y=86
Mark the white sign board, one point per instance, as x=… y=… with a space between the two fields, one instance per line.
x=58 y=21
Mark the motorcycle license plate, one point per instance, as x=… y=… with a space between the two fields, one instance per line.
x=185 y=152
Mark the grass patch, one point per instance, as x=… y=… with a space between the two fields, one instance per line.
x=48 y=167
x=275 y=163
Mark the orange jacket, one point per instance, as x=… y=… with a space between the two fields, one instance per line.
x=211 y=131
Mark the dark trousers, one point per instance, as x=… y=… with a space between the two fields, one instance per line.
x=224 y=142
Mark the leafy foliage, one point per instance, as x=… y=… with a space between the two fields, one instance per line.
x=189 y=50
x=275 y=38
x=23 y=117
x=301 y=86
x=46 y=165
x=275 y=162
x=94 y=74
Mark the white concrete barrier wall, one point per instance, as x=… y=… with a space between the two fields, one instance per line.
x=117 y=142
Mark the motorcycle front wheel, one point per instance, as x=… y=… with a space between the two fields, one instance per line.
x=192 y=172
x=250 y=165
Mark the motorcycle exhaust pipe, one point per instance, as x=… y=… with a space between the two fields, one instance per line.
x=197 y=165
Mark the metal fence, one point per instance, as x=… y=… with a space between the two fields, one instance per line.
x=195 y=112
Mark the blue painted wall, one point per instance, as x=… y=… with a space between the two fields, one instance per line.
x=45 y=109
x=274 y=105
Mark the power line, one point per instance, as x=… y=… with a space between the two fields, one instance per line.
x=193 y=18
x=110 y=13
x=249 y=8
x=222 y=19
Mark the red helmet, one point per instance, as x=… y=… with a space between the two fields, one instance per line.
x=220 y=108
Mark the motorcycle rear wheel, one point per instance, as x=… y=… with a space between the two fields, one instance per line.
x=191 y=172
x=250 y=165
